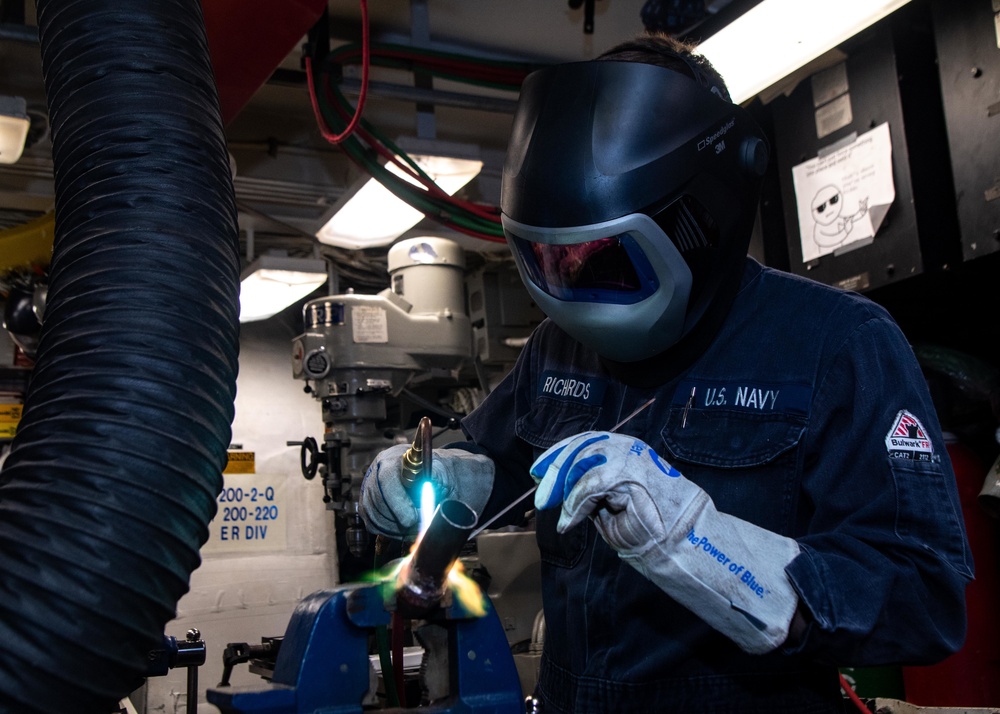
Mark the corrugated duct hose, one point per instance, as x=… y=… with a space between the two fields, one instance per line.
x=111 y=481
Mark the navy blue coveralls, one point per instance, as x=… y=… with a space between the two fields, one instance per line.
x=808 y=415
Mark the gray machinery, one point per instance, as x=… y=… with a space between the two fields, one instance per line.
x=359 y=351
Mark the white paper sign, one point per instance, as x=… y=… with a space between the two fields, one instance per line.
x=842 y=197
x=252 y=515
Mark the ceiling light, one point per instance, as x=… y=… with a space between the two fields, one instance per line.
x=372 y=216
x=776 y=37
x=14 y=124
x=273 y=282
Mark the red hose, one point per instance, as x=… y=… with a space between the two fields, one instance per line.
x=853 y=696
x=398 y=630
x=365 y=63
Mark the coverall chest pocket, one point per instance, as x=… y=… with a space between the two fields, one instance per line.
x=549 y=422
x=746 y=462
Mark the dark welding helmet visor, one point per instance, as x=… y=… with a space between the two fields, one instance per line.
x=628 y=194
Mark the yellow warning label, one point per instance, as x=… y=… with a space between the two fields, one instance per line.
x=10 y=417
x=10 y=412
x=240 y=462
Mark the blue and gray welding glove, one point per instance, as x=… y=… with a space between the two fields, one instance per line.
x=727 y=571
x=389 y=508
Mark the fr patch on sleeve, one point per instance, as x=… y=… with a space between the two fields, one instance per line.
x=907 y=439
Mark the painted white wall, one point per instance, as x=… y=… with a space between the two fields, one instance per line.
x=241 y=596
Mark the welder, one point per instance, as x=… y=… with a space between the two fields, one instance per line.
x=783 y=507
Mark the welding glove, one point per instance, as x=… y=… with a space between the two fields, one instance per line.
x=727 y=571
x=389 y=508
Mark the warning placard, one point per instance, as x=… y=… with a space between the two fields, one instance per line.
x=240 y=462
x=10 y=417
x=369 y=324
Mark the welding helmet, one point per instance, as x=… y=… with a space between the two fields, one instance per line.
x=628 y=198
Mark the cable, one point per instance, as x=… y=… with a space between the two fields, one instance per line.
x=388 y=679
x=384 y=656
x=429 y=405
x=397 y=657
x=852 y=695
x=365 y=63
x=364 y=146
x=459 y=215
x=365 y=270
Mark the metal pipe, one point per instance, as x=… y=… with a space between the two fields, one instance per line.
x=423 y=581
x=405 y=93
x=436 y=97
x=17 y=32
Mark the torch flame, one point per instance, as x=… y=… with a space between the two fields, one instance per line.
x=427 y=505
x=466 y=590
x=462 y=586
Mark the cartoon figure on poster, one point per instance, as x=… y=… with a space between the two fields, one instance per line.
x=832 y=226
x=843 y=196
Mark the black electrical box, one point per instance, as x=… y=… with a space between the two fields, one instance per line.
x=967 y=33
x=862 y=161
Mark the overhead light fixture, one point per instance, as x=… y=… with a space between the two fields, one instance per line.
x=14 y=125
x=776 y=37
x=273 y=282
x=371 y=216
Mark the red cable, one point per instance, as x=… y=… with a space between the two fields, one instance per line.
x=853 y=696
x=397 y=658
x=365 y=63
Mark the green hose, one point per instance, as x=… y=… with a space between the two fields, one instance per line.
x=382 y=635
x=382 y=640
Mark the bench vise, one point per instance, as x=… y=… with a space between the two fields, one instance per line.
x=323 y=665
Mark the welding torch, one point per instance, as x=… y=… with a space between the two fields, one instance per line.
x=416 y=461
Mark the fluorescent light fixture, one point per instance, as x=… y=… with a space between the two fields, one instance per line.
x=14 y=124
x=273 y=282
x=372 y=216
x=776 y=37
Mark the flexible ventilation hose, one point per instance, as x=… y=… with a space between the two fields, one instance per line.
x=107 y=493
